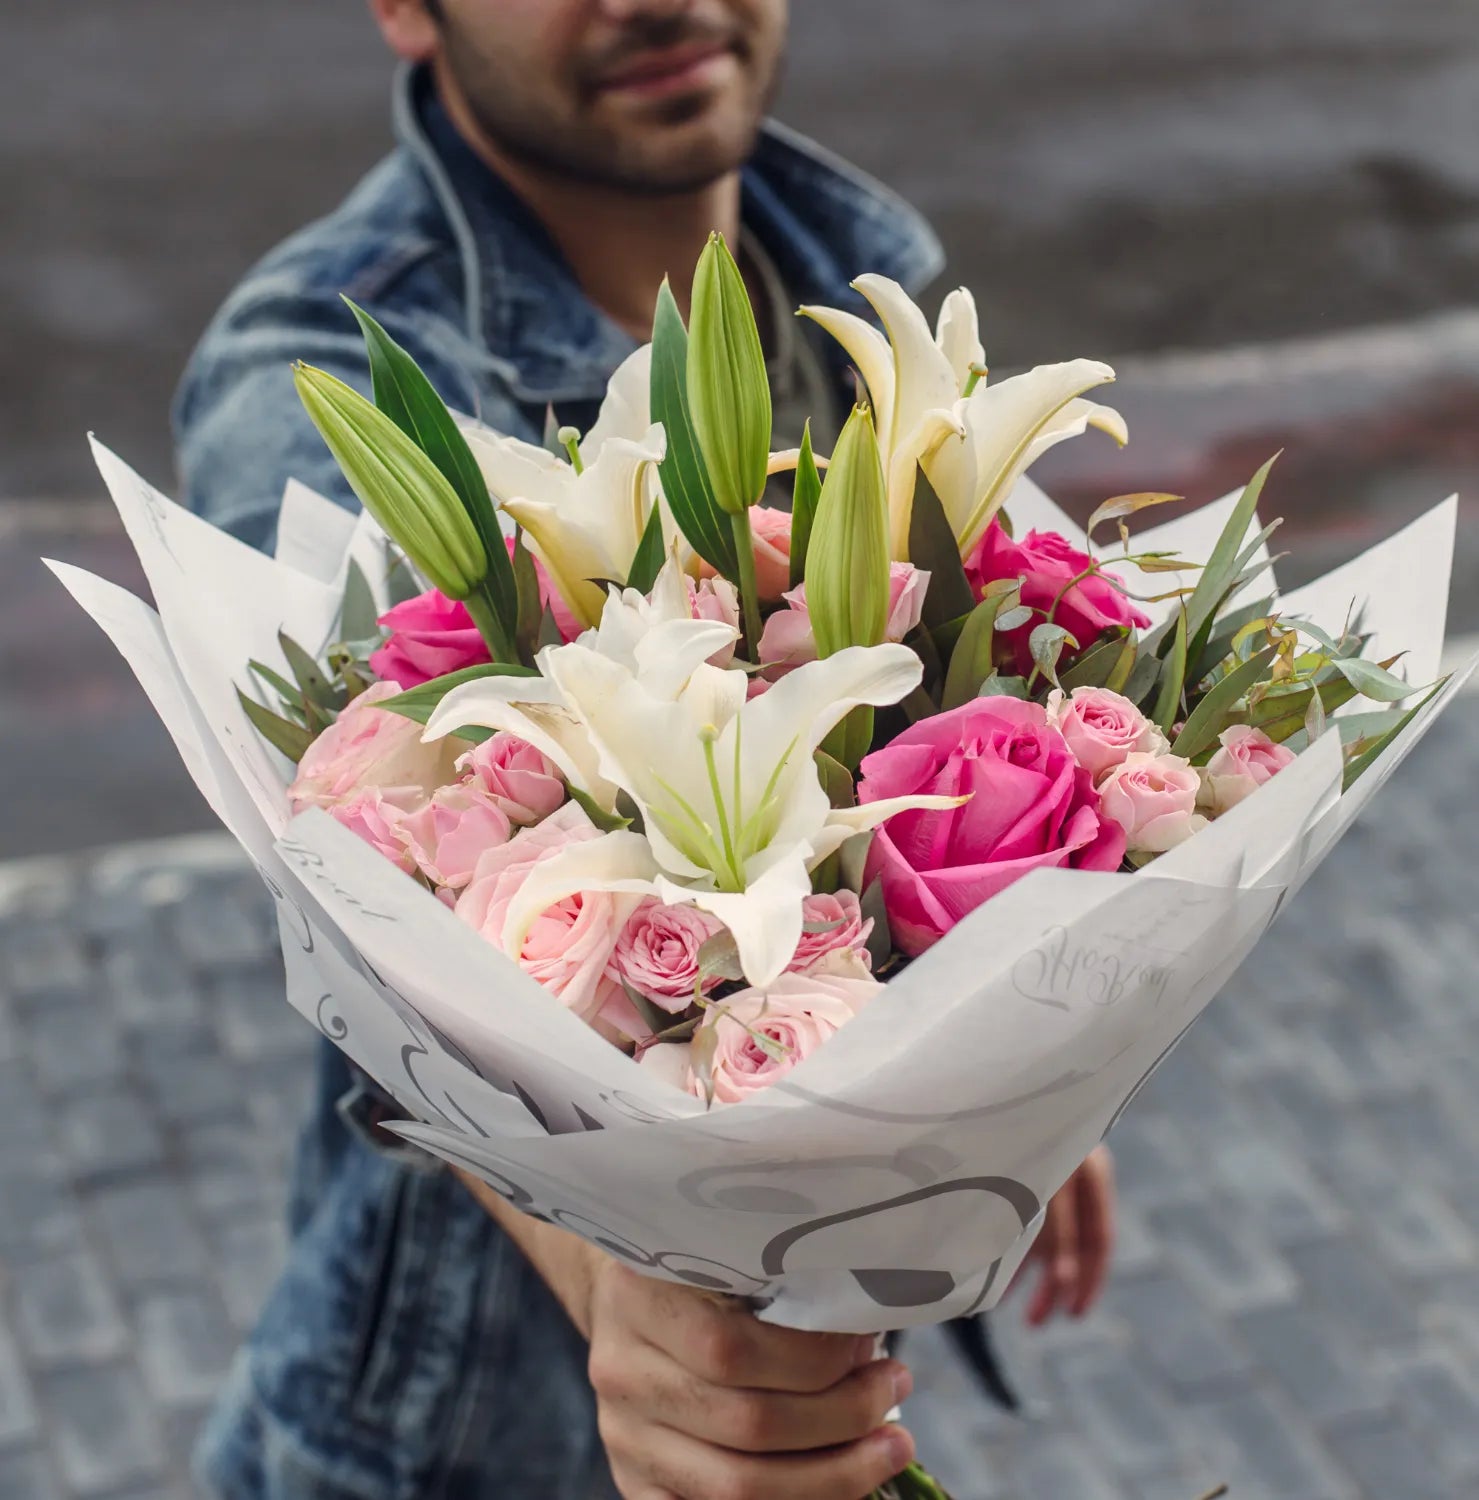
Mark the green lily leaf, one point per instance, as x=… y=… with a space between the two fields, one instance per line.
x=647 y=563
x=807 y=491
x=836 y=780
x=932 y=546
x=419 y=702
x=970 y=660
x=530 y=609
x=1213 y=714
x=607 y=822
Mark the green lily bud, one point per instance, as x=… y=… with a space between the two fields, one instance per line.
x=397 y=483
x=728 y=390
x=847 y=555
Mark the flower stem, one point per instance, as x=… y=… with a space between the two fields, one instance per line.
x=485 y=616
x=744 y=546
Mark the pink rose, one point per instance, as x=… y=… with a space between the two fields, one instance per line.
x=838 y=925
x=368 y=747
x=1046 y=563
x=374 y=816
x=786 y=639
x=1031 y=806
x=795 y=1015
x=1153 y=798
x=449 y=834
x=1247 y=759
x=569 y=945
x=715 y=599
x=523 y=781
x=432 y=635
x=771 y=531
x=1102 y=728
x=657 y=953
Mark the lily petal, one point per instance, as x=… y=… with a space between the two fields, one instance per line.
x=957 y=332
x=626 y=408
x=869 y=351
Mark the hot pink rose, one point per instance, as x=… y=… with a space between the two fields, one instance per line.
x=368 y=747
x=795 y=1015
x=1153 y=798
x=1247 y=759
x=1102 y=728
x=523 y=781
x=449 y=834
x=1046 y=562
x=569 y=945
x=839 y=926
x=786 y=639
x=375 y=817
x=657 y=953
x=1031 y=807
x=432 y=635
x=771 y=530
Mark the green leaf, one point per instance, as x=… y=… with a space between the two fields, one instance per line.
x=647 y=563
x=685 y=479
x=284 y=689
x=1095 y=667
x=1283 y=714
x=1119 y=506
x=836 y=780
x=1015 y=617
x=420 y=702
x=880 y=940
x=1046 y=644
x=1003 y=687
x=853 y=858
x=1143 y=677
x=1372 y=681
x=1213 y=714
x=1227 y=626
x=808 y=490
x=1173 y=678
x=316 y=687
x=358 y=617
x=530 y=609
x=1119 y=676
x=970 y=661
x=410 y=400
x=607 y=822
x=1223 y=565
x=932 y=546
x=1366 y=755
x=292 y=740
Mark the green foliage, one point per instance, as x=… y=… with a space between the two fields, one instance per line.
x=807 y=492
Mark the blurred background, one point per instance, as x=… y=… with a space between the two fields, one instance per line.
x=1267 y=217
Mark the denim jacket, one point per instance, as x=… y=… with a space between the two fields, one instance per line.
x=408 y=1351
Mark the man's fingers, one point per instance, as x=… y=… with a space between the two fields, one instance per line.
x=1095 y=1228
x=644 y=1380
x=671 y=1462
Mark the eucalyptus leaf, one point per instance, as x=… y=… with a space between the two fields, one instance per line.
x=970 y=661
x=1126 y=505
x=358 y=617
x=291 y=740
x=1372 y=681
x=1003 y=687
x=1222 y=566
x=1173 y=678
x=718 y=957
x=1015 y=618
x=1095 y=666
x=1119 y=676
x=291 y=695
x=1046 y=644
x=880 y=941
x=1366 y=755
x=1213 y=714
x=853 y=858
x=311 y=679
x=1143 y=677
x=1227 y=626
x=656 y=1020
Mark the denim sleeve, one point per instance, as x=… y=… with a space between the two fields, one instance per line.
x=240 y=430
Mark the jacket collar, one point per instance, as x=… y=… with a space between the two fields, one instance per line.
x=821 y=220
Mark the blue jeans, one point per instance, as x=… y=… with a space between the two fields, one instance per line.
x=408 y=1352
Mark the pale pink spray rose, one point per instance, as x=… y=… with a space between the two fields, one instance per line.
x=522 y=780
x=449 y=834
x=370 y=747
x=794 y=1015
x=374 y=816
x=656 y=953
x=1153 y=798
x=771 y=532
x=715 y=599
x=1029 y=806
x=1247 y=759
x=1102 y=728
x=786 y=639
x=569 y=946
x=838 y=925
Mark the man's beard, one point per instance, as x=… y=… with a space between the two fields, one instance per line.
x=598 y=155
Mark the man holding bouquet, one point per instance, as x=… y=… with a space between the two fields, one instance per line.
x=555 y=159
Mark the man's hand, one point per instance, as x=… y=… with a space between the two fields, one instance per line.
x=698 y=1400
x=1076 y=1242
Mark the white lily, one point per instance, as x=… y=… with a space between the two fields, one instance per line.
x=973 y=447
x=585 y=515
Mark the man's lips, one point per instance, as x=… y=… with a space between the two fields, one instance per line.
x=667 y=69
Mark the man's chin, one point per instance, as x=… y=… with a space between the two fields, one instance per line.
x=672 y=155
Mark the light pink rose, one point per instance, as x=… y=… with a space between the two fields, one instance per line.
x=447 y=835
x=771 y=531
x=657 y=953
x=1153 y=798
x=715 y=599
x=373 y=816
x=368 y=747
x=1048 y=564
x=523 y=781
x=786 y=639
x=1247 y=759
x=845 y=929
x=1031 y=806
x=569 y=946
x=795 y=1014
x=1102 y=728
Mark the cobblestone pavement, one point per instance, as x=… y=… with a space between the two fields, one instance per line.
x=1296 y=1304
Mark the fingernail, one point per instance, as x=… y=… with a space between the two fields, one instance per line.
x=903 y=1384
x=900 y=1448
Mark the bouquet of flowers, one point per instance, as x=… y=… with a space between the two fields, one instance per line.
x=677 y=759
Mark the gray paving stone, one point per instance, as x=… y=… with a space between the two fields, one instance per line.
x=1275 y=1190
x=185 y=1345
x=149 y=1234
x=105 y=1433
x=19 y=1422
x=24 y=1119
x=1437 y=1394
x=218 y=925
x=109 y=1134
x=254 y=1019
x=1263 y=1452
x=27 y=1474
x=188 y=1089
x=249 y=1257
x=1386 y=1460
x=75 y=1045
x=1178 y=1336
x=1314 y=1359
x=65 y=1310
x=1122 y=1410
x=44 y=957
x=149 y=981
x=38 y=1213
x=227 y=1172
x=1351 y=1286
x=1222 y=1257
x=1056 y=1464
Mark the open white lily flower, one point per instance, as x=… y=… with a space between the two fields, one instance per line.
x=935 y=409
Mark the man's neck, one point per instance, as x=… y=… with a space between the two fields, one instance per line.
x=620 y=245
